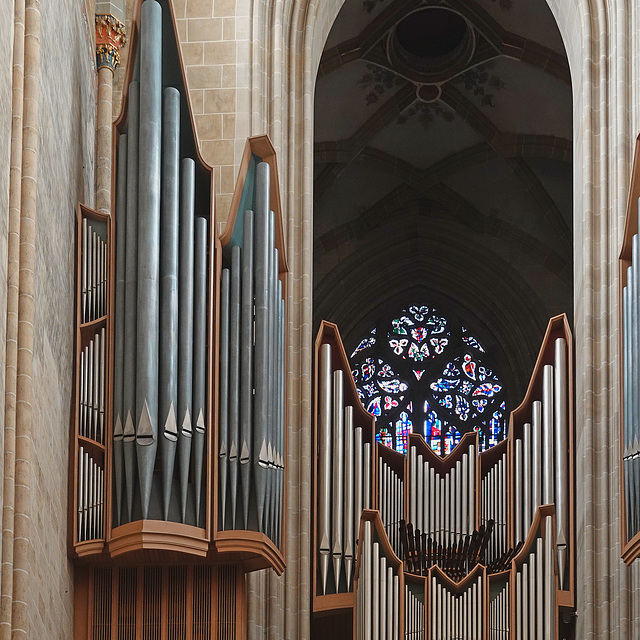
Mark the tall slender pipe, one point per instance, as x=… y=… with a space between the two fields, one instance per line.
x=337 y=478
x=536 y=452
x=246 y=363
x=118 y=364
x=561 y=456
x=526 y=487
x=148 y=245
x=234 y=377
x=199 y=358
x=324 y=464
x=358 y=478
x=223 y=436
x=548 y=495
x=348 y=494
x=131 y=298
x=261 y=355
x=185 y=327
x=169 y=241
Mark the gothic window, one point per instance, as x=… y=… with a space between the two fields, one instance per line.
x=422 y=372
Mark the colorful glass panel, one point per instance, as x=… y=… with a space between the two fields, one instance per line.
x=425 y=357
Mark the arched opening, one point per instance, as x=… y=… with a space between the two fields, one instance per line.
x=443 y=171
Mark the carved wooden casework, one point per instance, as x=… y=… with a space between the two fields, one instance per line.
x=541 y=534
x=168 y=568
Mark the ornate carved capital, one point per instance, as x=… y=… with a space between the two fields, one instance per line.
x=110 y=38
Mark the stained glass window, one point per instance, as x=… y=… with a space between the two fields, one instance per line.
x=420 y=371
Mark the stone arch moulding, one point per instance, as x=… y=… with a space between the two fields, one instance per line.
x=596 y=36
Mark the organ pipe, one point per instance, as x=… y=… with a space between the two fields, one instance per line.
x=156 y=386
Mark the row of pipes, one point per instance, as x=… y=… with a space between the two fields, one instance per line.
x=160 y=305
x=344 y=478
x=413 y=612
x=541 y=458
x=535 y=590
x=252 y=373
x=90 y=497
x=92 y=388
x=93 y=274
x=457 y=615
x=631 y=391
x=378 y=592
x=499 y=613
x=442 y=504
x=391 y=499
x=493 y=505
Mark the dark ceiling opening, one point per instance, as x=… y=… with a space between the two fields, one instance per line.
x=431 y=33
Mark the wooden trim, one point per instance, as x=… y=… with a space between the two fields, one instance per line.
x=256 y=550
x=328 y=333
x=159 y=535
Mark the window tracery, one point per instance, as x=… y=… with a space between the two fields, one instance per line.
x=423 y=372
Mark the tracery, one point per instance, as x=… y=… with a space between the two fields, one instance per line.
x=423 y=372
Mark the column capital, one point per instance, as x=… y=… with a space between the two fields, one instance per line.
x=110 y=38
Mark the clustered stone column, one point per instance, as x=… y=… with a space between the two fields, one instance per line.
x=110 y=38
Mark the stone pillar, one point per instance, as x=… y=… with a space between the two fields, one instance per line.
x=110 y=38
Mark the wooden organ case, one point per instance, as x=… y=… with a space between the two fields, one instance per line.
x=468 y=546
x=178 y=448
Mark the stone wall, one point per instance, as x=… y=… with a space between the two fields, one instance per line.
x=65 y=178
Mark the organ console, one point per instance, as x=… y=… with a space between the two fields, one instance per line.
x=480 y=545
x=178 y=441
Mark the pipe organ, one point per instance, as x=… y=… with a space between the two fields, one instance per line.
x=252 y=360
x=345 y=440
x=629 y=331
x=178 y=440
x=481 y=540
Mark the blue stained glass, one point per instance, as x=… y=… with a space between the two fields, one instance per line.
x=385 y=438
x=444 y=385
x=374 y=407
x=487 y=389
x=392 y=386
x=419 y=334
x=465 y=393
x=364 y=344
x=403 y=429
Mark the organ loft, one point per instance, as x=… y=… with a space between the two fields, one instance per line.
x=319 y=318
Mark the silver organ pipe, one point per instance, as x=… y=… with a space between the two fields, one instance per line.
x=414 y=611
x=157 y=263
x=535 y=612
x=344 y=478
x=499 y=610
x=391 y=491
x=377 y=589
x=463 y=576
x=252 y=371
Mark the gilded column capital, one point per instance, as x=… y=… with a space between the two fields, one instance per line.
x=110 y=38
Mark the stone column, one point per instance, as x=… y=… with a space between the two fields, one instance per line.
x=110 y=38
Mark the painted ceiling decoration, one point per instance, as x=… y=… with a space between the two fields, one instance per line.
x=452 y=119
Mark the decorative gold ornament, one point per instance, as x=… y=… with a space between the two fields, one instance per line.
x=110 y=38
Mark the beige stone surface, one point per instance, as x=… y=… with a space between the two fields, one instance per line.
x=65 y=177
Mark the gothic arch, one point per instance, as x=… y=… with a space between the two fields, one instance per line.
x=596 y=36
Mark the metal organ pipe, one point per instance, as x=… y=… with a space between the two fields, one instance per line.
x=324 y=463
x=185 y=330
x=338 y=477
x=169 y=242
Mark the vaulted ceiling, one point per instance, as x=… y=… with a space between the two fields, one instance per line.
x=443 y=168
